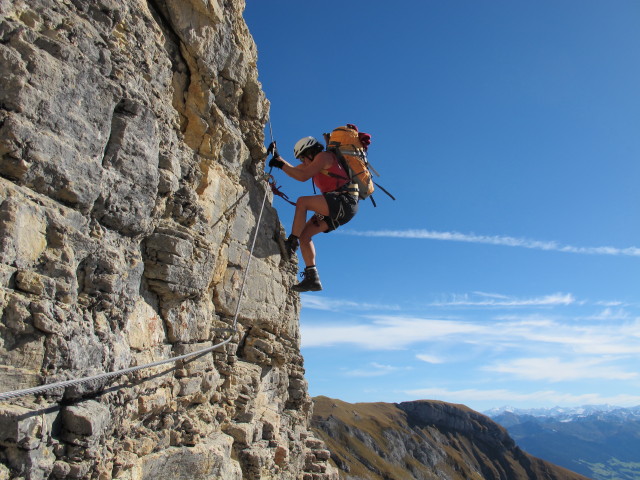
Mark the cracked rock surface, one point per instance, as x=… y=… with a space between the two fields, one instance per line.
x=131 y=157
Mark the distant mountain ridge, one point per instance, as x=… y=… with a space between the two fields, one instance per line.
x=599 y=441
x=567 y=412
x=423 y=440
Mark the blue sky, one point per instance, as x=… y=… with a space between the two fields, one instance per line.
x=506 y=273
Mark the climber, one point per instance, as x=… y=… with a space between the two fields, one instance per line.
x=337 y=204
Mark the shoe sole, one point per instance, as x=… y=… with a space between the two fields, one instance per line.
x=305 y=289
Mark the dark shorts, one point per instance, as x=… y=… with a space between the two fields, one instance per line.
x=342 y=208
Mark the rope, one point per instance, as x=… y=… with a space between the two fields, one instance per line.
x=103 y=376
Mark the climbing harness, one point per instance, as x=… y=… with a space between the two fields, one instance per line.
x=104 y=376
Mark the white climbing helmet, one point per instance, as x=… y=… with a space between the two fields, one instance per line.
x=303 y=144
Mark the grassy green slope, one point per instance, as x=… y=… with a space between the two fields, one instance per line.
x=423 y=440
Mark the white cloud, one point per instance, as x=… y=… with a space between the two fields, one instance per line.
x=429 y=358
x=614 y=303
x=547 y=398
x=491 y=295
x=386 y=332
x=495 y=240
x=374 y=370
x=495 y=300
x=586 y=338
x=316 y=302
x=610 y=314
x=554 y=369
x=523 y=338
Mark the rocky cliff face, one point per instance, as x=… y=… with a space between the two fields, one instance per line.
x=131 y=147
x=424 y=440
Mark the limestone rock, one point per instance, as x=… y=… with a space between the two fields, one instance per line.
x=88 y=418
x=131 y=150
x=18 y=425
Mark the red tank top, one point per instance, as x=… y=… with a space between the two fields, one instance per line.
x=331 y=179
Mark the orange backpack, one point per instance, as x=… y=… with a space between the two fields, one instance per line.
x=347 y=144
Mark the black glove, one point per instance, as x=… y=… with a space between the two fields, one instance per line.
x=271 y=149
x=276 y=162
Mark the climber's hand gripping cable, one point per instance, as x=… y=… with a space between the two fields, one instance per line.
x=275 y=161
x=278 y=163
x=272 y=149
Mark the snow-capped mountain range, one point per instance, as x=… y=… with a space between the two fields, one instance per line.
x=601 y=442
x=560 y=413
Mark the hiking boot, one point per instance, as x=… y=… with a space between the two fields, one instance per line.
x=311 y=282
x=290 y=246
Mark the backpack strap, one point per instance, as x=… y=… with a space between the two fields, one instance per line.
x=334 y=175
x=343 y=162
